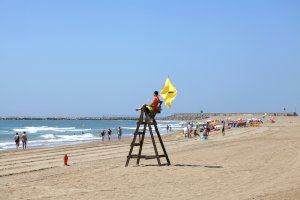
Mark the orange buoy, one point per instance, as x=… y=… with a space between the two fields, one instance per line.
x=66 y=158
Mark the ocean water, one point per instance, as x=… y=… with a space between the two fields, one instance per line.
x=50 y=133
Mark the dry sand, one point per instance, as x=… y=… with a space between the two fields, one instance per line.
x=248 y=163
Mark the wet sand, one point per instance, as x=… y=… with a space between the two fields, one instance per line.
x=248 y=163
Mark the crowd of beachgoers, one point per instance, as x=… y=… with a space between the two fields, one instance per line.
x=203 y=129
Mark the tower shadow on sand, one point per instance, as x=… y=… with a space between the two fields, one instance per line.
x=189 y=165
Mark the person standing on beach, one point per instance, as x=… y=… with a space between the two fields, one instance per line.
x=185 y=131
x=24 y=140
x=109 y=132
x=103 y=135
x=223 y=128
x=168 y=128
x=190 y=129
x=17 y=140
x=119 y=133
x=207 y=128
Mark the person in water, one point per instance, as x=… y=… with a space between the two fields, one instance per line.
x=17 y=140
x=24 y=140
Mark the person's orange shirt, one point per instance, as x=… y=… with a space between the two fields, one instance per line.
x=155 y=103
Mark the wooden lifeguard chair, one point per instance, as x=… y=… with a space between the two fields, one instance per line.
x=147 y=120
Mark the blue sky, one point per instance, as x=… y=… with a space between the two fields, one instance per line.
x=94 y=58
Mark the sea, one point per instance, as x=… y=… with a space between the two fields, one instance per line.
x=52 y=133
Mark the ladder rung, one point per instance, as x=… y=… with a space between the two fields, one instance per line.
x=136 y=144
x=136 y=156
x=146 y=157
x=154 y=157
x=140 y=133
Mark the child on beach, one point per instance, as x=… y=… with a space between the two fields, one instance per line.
x=204 y=135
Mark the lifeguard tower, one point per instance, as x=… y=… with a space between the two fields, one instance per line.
x=146 y=121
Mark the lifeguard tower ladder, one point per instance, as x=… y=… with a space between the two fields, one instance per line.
x=146 y=121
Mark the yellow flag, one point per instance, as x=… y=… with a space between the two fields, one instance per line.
x=169 y=93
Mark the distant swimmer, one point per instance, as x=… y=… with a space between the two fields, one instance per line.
x=24 y=140
x=17 y=140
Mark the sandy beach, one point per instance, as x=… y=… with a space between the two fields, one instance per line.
x=248 y=163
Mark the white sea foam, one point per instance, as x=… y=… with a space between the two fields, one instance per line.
x=35 y=129
x=129 y=128
x=71 y=138
x=3 y=144
x=53 y=140
x=48 y=136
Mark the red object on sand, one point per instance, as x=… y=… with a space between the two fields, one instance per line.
x=66 y=158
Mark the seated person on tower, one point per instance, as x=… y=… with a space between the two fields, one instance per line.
x=154 y=107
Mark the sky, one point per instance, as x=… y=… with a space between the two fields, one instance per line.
x=95 y=58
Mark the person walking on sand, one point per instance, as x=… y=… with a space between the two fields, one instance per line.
x=24 y=140
x=17 y=140
x=109 y=132
x=119 y=133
